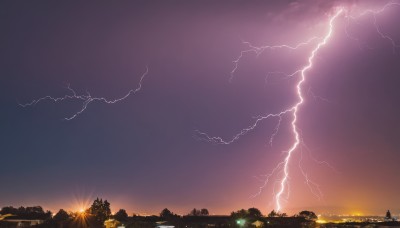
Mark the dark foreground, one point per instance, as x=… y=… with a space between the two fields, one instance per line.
x=188 y=222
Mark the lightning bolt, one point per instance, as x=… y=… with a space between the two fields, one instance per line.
x=86 y=98
x=375 y=23
x=293 y=110
x=259 y=50
x=282 y=167
x=296 y=107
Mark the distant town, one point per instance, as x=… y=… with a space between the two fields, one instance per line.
x=99 y=215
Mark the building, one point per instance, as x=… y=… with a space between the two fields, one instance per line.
x=113 y=223
x=24 y=222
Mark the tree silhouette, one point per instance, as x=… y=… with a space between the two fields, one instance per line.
x=309 y=215
x=195 y=212
x=100 y=210
x=388 y=215
x=273 y=213
x=35 y=212
x=204 y=211
x=9 y=210
x=239 y=214
x=166 y=214
x=121 y=215
x=282 y=214
x=61 y=216
x=254 y=212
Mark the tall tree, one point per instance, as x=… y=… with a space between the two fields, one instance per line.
x=166 y=214
x=100 y=210
x=388 y=215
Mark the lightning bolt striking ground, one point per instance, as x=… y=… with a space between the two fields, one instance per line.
x=293 y=110
x=86 y=99
x=283 y=167
x=296 y=107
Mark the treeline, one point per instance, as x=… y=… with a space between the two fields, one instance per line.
x=99 y=212
x=35 y=212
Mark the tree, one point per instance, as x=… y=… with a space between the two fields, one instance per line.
x=254 y=212
x=309 y=215
x=195 y=212
x=9 y=210
x=204 y=211
x=21 y=211
x=121 y=215
x=388 y=215
x=100 y=210
x=61 y=216
x=35 y=212
x=165 y=214
x=282 y=214
x=273 y=213
x=239 y=214
x=106 y=208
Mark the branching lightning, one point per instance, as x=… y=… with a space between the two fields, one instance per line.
x=296 y=108
x=86 y=98
x=375 y=23
x=282 y=168
x=293 y=110
x=281 y=192
x=259 y=50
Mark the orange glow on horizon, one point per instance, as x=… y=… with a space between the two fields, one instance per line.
x=321 y=221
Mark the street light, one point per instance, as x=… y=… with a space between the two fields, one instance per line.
x=240 y=222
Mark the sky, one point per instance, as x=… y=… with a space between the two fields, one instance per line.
x=143 y=154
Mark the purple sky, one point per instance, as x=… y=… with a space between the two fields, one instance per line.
x=140 y=154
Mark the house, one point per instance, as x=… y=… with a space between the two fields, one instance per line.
x=164 y=224
x=258 y=223
x=24 y=222
x=113 y=223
